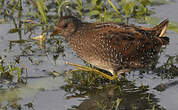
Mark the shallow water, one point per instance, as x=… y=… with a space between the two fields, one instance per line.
x=45 y=92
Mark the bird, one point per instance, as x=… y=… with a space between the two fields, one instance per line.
x=114 y=47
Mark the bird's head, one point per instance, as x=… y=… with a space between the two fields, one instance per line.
x=66 y=26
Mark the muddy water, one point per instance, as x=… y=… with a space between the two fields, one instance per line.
x=45 y=92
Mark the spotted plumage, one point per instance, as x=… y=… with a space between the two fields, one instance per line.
x=111 y=46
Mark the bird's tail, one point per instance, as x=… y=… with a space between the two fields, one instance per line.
x=161 y=28
x=161 y=31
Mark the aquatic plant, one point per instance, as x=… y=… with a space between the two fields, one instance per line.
x=10 y=70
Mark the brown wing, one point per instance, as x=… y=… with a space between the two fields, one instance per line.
x=134 y=49
x=132 y=43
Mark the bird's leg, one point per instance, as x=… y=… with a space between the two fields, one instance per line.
x=85 y=68
x=115 y=77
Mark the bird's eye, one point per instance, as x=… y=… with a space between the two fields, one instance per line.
x=65 y=25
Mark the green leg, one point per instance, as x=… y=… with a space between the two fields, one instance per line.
x=85 y=68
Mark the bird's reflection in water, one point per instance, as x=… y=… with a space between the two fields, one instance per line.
x=118 y=95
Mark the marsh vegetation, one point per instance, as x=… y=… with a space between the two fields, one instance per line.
x=33 y=73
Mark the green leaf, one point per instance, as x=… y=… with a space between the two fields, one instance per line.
x=79 y=6
x=108 y=16
x=15 y=7
x=118 y=19
x=54 y=73
x=18 y=72
x=18 y=41
x=1 y=69
x=9 y=67
x=118 y=101
x=144 y=2
x=93 y=2
x=93 y=12
x=114 y=7
x=61 y=4
x=41 y=8
x=142 y=11
x=11 y=2
x=173 y=26
x=13 y=30
x=128 y=8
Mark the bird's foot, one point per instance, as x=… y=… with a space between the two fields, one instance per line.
x=122 y=73
x=85 y=68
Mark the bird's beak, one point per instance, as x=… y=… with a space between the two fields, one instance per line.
x=55 y=32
